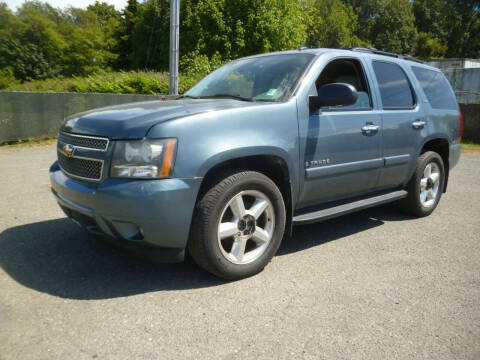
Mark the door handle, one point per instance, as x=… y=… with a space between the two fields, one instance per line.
x=419 y=124
x=370 y=129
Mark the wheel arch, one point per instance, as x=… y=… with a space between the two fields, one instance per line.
x=271 y=164
x=441 y=146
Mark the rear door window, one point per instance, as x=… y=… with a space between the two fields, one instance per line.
x=436 y=88
x=395 y=89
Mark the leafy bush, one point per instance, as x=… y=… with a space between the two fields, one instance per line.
x=6 y=78
x=428 y=46
x=115 y=83
x=196 y=64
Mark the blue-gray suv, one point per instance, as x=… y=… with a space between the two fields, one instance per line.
x=259 y=145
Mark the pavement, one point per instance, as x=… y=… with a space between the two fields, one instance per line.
x=372 y=285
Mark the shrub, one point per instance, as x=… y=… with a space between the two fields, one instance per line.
x=194 y=64
x=6 y=78
x=116 y=83
x=193 y=68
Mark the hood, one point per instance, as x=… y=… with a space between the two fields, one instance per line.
x=134 y=120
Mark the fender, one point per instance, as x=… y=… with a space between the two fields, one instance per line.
x=239 y=153
x=434 y=136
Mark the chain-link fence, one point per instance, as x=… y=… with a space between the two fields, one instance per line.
x=28 y=115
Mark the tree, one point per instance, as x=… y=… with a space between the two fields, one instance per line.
x=87 y=48
x=150 y=36
x=456 y=23
x=216 y=30
x=462 y=21
x=365 y=10
x=124 y=35
x=40 y=42
x=393 y=26
x=333 y=24
x=387 y=24
x=31 y=44
x=108 y=19
x=104 y=12
x=277 y=25
x=237 y=28
x=427 y=46
x=429 y=17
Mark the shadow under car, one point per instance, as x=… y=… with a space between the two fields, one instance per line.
x=61 y=259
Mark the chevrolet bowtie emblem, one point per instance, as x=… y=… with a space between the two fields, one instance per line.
x=68 y=150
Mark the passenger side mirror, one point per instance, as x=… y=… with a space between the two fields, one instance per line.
x=334 y=94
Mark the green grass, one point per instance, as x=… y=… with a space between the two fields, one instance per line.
x=470 y=144
x=470 y=147
x=27 y=143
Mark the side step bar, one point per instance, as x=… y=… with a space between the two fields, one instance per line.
x=339 y=210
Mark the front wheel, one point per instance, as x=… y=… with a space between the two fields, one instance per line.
x=238 y=225
x=426 y=185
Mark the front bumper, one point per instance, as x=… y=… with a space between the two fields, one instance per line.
x=148 y=213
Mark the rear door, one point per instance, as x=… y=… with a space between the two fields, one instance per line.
x=403 y=119
x=440 y=102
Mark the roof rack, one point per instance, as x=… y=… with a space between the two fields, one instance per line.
x=372 y=50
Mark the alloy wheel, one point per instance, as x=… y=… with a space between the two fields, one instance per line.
x=429 y=184
x=246 y=227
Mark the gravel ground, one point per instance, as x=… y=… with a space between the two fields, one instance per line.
x=371 y=285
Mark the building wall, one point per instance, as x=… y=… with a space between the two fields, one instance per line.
x=448 y=64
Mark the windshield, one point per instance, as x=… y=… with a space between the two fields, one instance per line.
x=264 y=78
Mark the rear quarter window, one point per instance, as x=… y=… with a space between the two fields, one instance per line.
x=395 y=89
x=436 y=88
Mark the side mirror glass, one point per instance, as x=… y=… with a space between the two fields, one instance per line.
x=334 y=94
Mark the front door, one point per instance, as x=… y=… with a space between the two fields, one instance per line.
x=343 y=146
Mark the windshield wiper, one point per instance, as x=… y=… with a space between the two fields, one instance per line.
x=229 y=96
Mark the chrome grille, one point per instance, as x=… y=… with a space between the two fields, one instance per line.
x=75 y=156
x=82 y=168
x=87 y=142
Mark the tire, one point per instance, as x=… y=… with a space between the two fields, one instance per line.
x=257 y=230
x=424 y=192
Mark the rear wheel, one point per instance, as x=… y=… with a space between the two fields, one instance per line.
x=238 y=225
x=426 y=186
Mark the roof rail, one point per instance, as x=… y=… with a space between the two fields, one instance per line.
x=372 y=50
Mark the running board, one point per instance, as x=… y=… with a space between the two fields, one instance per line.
x=343 y=209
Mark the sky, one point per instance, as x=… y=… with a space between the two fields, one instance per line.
x=119 y=4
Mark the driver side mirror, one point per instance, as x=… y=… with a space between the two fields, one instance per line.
x=334 y=94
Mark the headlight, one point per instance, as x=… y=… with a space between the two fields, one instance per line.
x=145 y=159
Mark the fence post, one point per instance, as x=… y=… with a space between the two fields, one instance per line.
x=174 y=43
